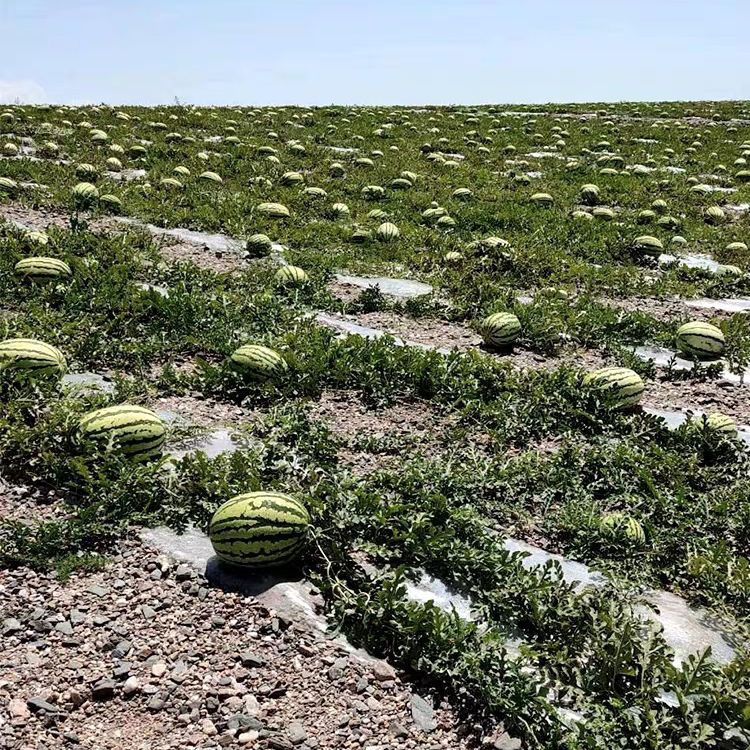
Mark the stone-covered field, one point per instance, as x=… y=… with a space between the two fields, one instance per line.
x=504 y=552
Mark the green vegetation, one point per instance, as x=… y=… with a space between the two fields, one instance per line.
x=571 y=208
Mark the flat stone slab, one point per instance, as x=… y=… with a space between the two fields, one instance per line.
x=402 y=288
x=431 y=589
x=213 y=444
x=731 y=305
x=573 y=572
x=691 y=261
x=350 y=328
x=687 y=630
x=87 y=383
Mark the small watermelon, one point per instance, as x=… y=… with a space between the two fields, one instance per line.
x=500 y=330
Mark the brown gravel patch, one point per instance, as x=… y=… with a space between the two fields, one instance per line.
x=147 y=655
x=709 y=396
x=345 y=292
x=204 y=412
x=174 y=251
x=171 y=249
x=42 y=219
x=28 y=504
x=429 y=331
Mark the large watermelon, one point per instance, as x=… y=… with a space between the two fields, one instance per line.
x=38 y=268
x=31 y=355
x=259 y=529
x=131 y=430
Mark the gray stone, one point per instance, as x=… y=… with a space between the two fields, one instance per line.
x=423 y=714
x=131 y=686
x=11 y=625
x=250 y=659
x=37 y=703
x=103 y=690
x=64 y=627
x=296 y=733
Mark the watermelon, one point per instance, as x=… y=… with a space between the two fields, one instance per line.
x=700 y=339
x=31 y=355
x=648 y=245
x=38 y=268
x=85 y=194
x=624 y=385
x=259 y=529
x=134 y=431
x=500 y=330
x=259 y=362
x=273 y=210
x=387 y=232
x=291 y=276
x=542 y=199
x=259 y=244
x=619 y=523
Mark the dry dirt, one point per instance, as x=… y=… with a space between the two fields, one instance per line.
x=171 y=249
x=709 y=396
x=662 y=309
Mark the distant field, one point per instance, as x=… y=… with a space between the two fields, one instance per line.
x=480 y=321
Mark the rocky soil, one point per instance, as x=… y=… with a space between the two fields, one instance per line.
x=147 y=654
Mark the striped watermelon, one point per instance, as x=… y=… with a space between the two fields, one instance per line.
x=38 y=268
x=387 y=232
x=500 y=330
x=259 y=244
x=648 y=245
x=291 y=276
x=701 y=340
x=31 y=355
x=273 y=210
x=131 y=430
x=259 y=529
x=260 y=362
x=85 y=194
x=620 y=523
x=625 y=385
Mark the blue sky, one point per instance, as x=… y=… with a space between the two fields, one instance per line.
x=365 y=52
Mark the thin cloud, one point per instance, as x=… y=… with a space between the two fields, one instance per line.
x=21 y=92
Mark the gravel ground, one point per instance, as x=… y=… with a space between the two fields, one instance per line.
x=145 y=654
